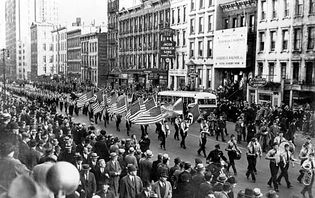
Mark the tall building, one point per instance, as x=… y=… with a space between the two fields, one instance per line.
x=19 y=15
x=285 y=56
x=74 y=54
x=41 y=50
x=201 y=18
x=234 y=46
x=59 y=42
x=46 y=11
x=178 y=76
x=112 y=40
x=140 y=32
x=94 y=68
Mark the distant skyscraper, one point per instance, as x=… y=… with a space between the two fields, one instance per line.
x=46 y=11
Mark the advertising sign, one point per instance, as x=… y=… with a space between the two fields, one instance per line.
x=257 y=82
x=230 y=48
x=167 y=49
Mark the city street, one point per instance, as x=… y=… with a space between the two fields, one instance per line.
x=173 y=150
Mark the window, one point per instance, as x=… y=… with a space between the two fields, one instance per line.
x=296 y=70
x=286 y=7
x=191 y=49
x=200 y=49
x=311 y=38
x=252 y=23
x=184 y=38
x=274 y=8
x=201 y=4
x=173 y=16
x=283 y=70
x=309 y=72
x=192 y=4
x=242 y=21
x=184 y=17
x=226 y=23
x=273 y=40
x=183 y=61
x=234 y=23
x=44 y=46
x=263 y=10
x=192 y=26
x=178 y=15
x=285 y=39
x=210 y=3
x=44 y=59
x=271 y=71
x=177 y=39
x=299 y=7
x=262 y=38
x=201 y=24
x=297 y=39
x=260 y=69
x=210 y=23
x=312 y=6
x=209 y=48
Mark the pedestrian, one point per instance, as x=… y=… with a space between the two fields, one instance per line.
x=177 y=127
x=105 y=191
x=239 y=127
x=163 y=133
x=251 y=131
x=233 y=153
x=185 y=189
x=285 y=158
x=87 y=187
x=118 y=121
x=184 y=132
x=273 y=156
x=198 y=179
x=130 y=185
x=114 y=170
x=203 y=141
x=221 y=126
x=252 y=154
x=215 y=156
x=145 y=167
x=303 y=155
x=145 y=143
x=128 y=125
x=162 y=188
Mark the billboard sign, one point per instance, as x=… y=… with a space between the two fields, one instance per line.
x=230 y=48
x=167 y=49
x=257 y=82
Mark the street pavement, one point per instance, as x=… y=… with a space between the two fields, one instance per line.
x=173 y=150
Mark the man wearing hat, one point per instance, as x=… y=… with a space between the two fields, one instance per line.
x=162 y=188
x=145 y=166
x=184 y=186
x=198 y=178
x=114 y=170
x=206 y=186
x=24 y=148
x=34 y=155
x=131 y=158
x=105 y=192
x=216 y=155
x=130 y=185
x=87 y=188
x=93 y=162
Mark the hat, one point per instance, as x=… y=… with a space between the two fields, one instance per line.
x=149 y=153
x=78 y=157
x=25 y=135
x=231 y=180
x=217 y=146
x=198 y=160
x=271 y=194
x=218 y=187
x=249 y=193
x=131 y=149
x=165 y=156
x=227 y=187
x=257 y=192
x=94 y=155
x=85 y=167
x=131 y=168
x=33 y=143
x=121 y=151
x=200 y=167
x=222 y=178
x=113 y=154
x=164 y=173
x=177 y=160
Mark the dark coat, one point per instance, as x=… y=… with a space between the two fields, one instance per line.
x=145 y=168
x=197 y=179
x=88 y=185
x=100 y=177
x=185 y=188
x=108 y=194
x=111 y=169
x=33 y=158
x=102 y=150
x=204 y=189
x=128 y=189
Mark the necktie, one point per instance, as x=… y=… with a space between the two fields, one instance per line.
x=288 y=159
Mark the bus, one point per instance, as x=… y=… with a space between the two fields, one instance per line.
x=207 y=101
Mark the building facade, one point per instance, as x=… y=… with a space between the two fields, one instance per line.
x=285 y=52
x=46 y=11
x=140 y=35
x=177 y=74
x=112 y=40
x=94 y=68
x=74 y=54
x=41 y=50
x=18 y=19
x=59 y=42
x=201 y=26
x=235 y=46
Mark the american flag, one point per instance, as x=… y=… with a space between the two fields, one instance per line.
x=97 y=107
x=135 y=109
x=120 y=106
x=84 y=98
x=149 y=117
x=145 y=106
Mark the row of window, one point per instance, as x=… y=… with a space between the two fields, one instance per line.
x=201 y=4
x=201 y=24
x=59 y=36
x=281 y=8
x=145 y=22
x=201 y=53
x=87 y=47
x=90 y=61
x=179 y=18
x=297 y=39
x=142 y=61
